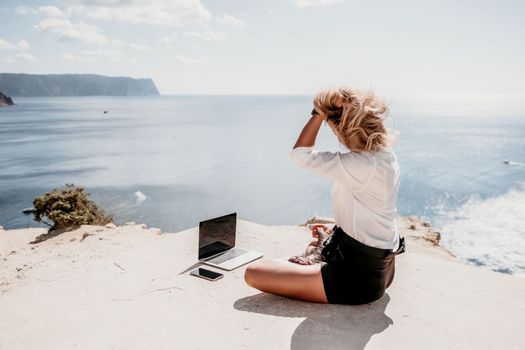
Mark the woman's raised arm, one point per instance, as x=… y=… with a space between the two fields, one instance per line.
x=309 y=132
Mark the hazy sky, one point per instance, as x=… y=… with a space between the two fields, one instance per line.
x=274 y=47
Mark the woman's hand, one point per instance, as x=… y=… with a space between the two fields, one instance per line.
x=320 y=114
x=314 y=229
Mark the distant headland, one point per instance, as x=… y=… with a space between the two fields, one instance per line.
x=18 y=84
x=5 y=100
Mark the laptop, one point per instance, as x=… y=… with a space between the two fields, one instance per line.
x=217 y=244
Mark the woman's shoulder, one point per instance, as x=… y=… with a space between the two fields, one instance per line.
x=382 y=153
x=384 y=158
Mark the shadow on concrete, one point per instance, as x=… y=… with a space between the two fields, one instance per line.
x=327 y=326
x=197 y=264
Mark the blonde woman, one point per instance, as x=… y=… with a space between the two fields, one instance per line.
x=359 y=256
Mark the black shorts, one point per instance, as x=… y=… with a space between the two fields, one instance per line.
x=355 y=273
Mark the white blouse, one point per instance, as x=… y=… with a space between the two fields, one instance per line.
x=364 y=193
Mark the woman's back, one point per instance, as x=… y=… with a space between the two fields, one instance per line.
x=371 y=218
x=364 y=191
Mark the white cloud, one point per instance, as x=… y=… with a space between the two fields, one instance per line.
x=231 y=21
x=51 y=11
x=18 y=57
x=157 y=12
x=168 y=39
x=315 y=3
x=8 y=59
x=139 y=47
x=117 y=44
x=207 y=35
x=65 y=30
x=21 y=45
x=70 y=57
x=189 y=60
x=6 y=45
x=24 y=10
x=24 y=56
x=105 y=54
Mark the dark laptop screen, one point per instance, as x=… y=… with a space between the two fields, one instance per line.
x=217 y=235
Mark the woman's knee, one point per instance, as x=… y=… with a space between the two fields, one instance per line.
x=253 y=272
x=249 y=277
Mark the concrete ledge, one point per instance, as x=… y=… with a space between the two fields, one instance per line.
x=128 y=287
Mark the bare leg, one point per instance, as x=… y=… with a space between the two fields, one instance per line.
x=281 y=277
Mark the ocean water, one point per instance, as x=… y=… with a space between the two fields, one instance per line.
x=172 y=161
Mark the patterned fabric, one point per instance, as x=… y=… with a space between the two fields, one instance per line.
x=313 y=254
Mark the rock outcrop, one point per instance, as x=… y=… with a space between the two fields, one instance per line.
x=5 y=100
x=74 y=85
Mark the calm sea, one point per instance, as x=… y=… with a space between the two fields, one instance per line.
x=172 y=161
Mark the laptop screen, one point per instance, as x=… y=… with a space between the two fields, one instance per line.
x=217 y=235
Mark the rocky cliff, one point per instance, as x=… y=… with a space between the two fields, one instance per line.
x=74 y=85
x=5 y=100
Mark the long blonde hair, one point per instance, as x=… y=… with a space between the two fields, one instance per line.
x=358 y=116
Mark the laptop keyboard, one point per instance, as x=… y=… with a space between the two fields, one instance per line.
x=230 y=254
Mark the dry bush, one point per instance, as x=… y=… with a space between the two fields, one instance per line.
x=67 y=208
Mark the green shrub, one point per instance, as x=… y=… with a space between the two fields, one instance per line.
x=67 y=208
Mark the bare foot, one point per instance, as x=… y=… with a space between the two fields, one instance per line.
x=301 y=260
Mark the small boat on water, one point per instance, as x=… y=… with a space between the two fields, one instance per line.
x=28 y=210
